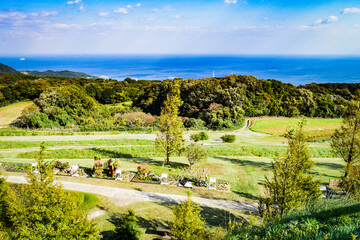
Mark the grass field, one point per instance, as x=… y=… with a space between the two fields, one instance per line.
x=244 y=164
x=150 y=215
x=317 y=128
x=10 y=113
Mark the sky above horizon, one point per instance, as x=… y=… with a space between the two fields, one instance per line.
x=179 y=27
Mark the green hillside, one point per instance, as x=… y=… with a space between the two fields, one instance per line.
x=10 y=113
x=50 y=73
x=6 y=69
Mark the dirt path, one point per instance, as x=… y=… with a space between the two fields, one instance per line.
x=123 y=197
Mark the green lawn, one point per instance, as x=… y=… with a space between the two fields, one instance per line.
x=243 y=163
x=10 y=113
x=150 y=215
x=318 y=128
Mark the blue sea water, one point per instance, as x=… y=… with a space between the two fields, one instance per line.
x=292 y=69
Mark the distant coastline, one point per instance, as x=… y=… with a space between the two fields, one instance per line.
x=296 y=69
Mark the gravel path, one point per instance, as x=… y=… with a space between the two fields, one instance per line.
x=124 y=197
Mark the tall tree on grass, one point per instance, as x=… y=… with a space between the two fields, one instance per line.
x=195 y=154
x=291 y=184
x=346 y=140
x=42 y=209
x=170 y=139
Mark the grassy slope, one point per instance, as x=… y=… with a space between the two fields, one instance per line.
x=10 y=113
x=318 y=128
x=150 y=215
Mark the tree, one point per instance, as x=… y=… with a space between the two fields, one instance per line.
x=291 y=184
x=42 y=209
x=170 y=138
x=346 y=140
x=188 y=223
x=127 y=228
x=195 y=153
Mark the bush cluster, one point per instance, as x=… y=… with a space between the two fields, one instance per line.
x=199 y=136
x=228 y=138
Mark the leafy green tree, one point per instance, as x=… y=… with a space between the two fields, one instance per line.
x=346 y=140
x=291 y=184
x=170 y=139
x=188 y=223
x=195 y=154
x=127 y=228
x=42 y=209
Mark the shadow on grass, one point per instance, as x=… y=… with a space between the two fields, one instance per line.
x=330 y=165
x=245 y=162
x=213 y=217
x=323 y=174
x=246 y=195
x=216 y=217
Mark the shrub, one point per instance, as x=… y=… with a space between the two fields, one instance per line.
x=58 y=165
x=98 y=170
x=195 y=137
x=228 y=138
x=195 y=153
x=142 y=169
x=127 y=228
x=188 y=223
x=203 y=136
x=65 y=165
x=194 y=123
x=136 y=119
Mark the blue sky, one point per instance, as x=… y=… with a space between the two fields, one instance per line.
x=179 y=27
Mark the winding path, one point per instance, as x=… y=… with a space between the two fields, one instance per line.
x=124 y=197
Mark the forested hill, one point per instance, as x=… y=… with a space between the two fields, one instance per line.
x=50 y=73
x=6 y=69
x=217 y=102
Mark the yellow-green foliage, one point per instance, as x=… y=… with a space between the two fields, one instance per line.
x=291 y=184
x=188 y=223
x=170 y=139
x=42 y=209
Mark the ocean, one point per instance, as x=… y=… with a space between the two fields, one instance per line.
x=296 y=70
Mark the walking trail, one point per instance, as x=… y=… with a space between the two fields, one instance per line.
x=123 y=197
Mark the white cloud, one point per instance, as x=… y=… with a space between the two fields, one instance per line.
x=230 y=1
x=121 y=10
x=47 y=14
x=165 y=9
x=103 y=14
x=303 y=27
x=133 y=6
x=73 y=2
x=351 y=10
x=177 y=16
x=20 y=15
x=12 y=15
x=77 y=2
x=67 y=26
x=330 y=19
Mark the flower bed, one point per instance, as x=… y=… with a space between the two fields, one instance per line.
x=223 y=186
x=15 y=167
x=151 y=178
